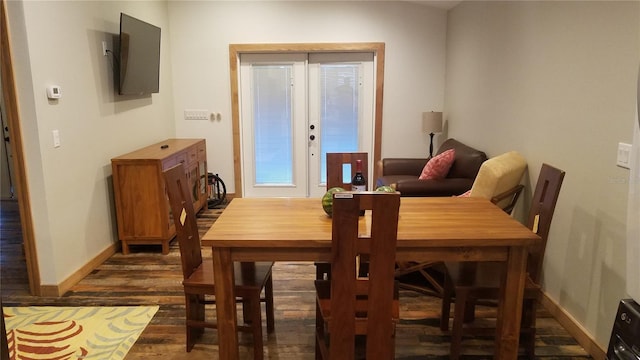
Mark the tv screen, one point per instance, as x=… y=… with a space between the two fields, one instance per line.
x=139 y=57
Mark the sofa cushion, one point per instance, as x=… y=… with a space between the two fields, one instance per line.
x=499 y=174
x=438 y=167
x=402 y=166
x=468 y=161
x=442 y=187
x=392 y=180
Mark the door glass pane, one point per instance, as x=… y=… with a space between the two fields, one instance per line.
x=339 y=100
x=272 y=124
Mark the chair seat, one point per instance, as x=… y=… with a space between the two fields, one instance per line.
x=248 y=279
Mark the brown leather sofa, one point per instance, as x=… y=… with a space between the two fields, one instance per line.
x=403 y=173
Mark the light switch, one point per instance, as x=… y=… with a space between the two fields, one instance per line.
x=624 y=155
x=196 y=114
x=56 y=138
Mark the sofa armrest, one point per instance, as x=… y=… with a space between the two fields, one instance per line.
x=402 y=166
x=468 y=160
x=443 y=187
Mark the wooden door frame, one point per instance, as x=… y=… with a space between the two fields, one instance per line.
x=9 y=94
x=236 y=50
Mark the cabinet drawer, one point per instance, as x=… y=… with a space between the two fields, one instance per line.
x=181 y=158
x=202 y=151
x=169 y=162
x=192 y=155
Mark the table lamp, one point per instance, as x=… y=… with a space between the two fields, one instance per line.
x=431 y=123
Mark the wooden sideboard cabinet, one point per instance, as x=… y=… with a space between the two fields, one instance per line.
x=142 y=206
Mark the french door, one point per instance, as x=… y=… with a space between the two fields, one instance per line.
x=294 y=108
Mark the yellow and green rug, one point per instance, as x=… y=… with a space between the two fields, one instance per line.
x=51 y=332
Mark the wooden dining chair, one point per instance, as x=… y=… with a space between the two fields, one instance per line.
x=349 y=305
x=499 y=181
x=250 y=278
x=335 y=168
x=335 y=178
x=471 y=283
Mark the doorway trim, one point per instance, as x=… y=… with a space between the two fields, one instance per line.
x=15 y=134
x=236 y=50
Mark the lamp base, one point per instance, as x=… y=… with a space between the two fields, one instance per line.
x=431 y=146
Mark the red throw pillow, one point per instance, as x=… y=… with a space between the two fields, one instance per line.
x=439 y=165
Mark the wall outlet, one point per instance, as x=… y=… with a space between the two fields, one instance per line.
x=624 y=155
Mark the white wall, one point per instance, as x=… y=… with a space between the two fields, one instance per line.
x=414 y=71
x=59 y=42
x=556 y=81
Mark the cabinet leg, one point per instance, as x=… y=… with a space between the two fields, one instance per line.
x=165 y=247
x=125 y=248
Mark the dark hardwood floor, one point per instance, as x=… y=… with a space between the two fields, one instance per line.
x=13 y=267
x=148 y=277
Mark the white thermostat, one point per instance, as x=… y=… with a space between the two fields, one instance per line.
x=54 y=92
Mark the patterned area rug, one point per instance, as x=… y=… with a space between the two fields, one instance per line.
x=53 y=332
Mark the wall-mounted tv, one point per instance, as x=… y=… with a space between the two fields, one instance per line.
x=139 y=57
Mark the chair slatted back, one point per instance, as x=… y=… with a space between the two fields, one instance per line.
x=184 y=218
x=543 y=205
x=356 y=303
x=335 y=175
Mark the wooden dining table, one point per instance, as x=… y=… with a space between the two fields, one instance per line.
x=429 y=229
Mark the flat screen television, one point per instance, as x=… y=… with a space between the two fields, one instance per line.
x=139 y=57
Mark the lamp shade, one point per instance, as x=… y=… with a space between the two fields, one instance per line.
x=432 y=122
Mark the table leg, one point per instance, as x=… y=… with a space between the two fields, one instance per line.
x=510 y=305
x=225 y=303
